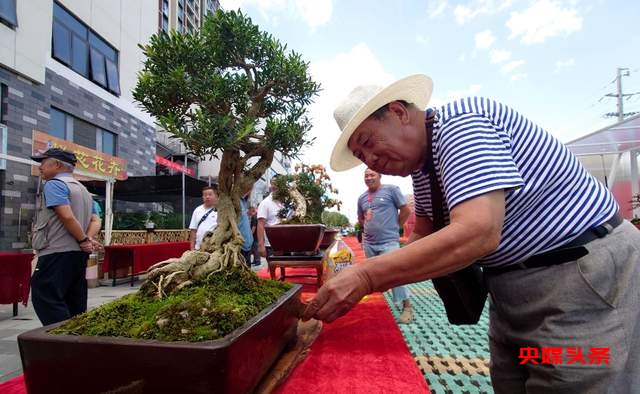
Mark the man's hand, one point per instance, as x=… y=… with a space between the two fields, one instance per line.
x=339 y=295
x=86 y=246
x=96 y=245
x=262 y=250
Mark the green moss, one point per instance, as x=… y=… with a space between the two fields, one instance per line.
x=206 y=310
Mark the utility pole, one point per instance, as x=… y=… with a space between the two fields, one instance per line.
x=622 y=72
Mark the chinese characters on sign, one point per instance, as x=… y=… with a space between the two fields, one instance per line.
x=174 y=166
x=89 y=160
x=553 y=355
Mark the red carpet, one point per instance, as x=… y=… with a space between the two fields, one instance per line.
x=13 y=386
x=362 y=352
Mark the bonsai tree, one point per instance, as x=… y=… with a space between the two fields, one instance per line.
x=305 y=194
x=233 y=92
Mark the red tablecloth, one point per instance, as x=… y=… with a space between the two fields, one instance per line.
x=141 y=256
x=15 y=277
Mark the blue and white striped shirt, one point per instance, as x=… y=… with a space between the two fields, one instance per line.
x=480 y=145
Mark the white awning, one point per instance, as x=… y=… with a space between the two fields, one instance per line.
x=611 y=155
x=621 y=137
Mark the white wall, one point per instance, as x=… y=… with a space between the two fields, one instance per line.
x=25 y=50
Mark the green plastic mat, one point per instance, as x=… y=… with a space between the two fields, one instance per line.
x=453 y=359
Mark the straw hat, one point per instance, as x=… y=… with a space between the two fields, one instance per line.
x=365 y=100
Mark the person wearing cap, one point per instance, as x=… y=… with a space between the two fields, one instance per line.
x=561 y=266
x=62 y=239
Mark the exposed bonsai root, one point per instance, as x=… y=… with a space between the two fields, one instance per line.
x=174 y=274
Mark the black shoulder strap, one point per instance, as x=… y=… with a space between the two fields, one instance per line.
x=430 y=168
x=204 y=217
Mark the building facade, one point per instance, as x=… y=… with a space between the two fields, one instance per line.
x=67 y=72
x=67 y=69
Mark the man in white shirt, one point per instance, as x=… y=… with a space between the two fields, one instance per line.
x=204 y=217
x=267 y=215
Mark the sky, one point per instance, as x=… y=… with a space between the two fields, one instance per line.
x=554 y=61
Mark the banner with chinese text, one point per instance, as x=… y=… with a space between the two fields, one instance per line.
x=89 y=160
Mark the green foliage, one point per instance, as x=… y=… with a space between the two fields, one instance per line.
x=129 y=220
x=334 y=219
x=137 y=220
x=227 y=86
x=313 y=182
x=208 y=310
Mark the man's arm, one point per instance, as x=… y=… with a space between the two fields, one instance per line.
x=260 y=233
x=71 y=224
x=403 y=215
x=192 y=238
x=473 y=232
x=95 y=224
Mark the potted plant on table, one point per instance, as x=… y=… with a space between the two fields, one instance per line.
x=232 y=92
x=305 y=195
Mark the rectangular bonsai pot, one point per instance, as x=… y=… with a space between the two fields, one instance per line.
x=294 y=237
x=233 y=364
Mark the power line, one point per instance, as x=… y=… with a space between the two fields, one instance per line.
x=620 y=114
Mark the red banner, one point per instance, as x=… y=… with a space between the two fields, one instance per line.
x=89 y=160
x=174 y=166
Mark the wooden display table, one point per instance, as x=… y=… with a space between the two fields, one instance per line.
x=15 y=278
x=139 y=257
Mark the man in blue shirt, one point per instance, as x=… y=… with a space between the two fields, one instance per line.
x=245 y=229
x=62 y=238
x=382 y=211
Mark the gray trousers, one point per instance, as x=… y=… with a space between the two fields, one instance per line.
x=593 y=302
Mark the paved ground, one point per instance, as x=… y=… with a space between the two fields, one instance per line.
x=11 y=327
x=453 y=359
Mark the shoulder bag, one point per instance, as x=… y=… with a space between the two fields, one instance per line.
x=462 y=292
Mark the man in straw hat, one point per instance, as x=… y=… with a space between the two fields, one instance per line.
x=561 y=266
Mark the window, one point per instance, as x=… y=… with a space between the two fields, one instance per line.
x=164 y=15
x=8 y=14
x=4 y=102
x=82 y=50
x=57 y=124
x=107 y=142
x=70 y=128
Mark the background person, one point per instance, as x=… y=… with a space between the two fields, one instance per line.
x=255 y=252
x=204 y=217
x=62 y=239
x=245 y=229
x=561 y=266
x=382 y=211
x=268 y=211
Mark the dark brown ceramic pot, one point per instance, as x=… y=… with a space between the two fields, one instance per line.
x=328 y=237
x=233 y=364
x=295 y=238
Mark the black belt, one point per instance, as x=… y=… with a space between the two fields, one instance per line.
x=568 y=252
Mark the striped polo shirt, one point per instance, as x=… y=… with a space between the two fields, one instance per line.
x=480 y=145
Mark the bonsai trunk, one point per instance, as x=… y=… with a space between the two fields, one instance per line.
x=220 y=249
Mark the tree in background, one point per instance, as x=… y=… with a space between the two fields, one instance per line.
x=335 y=219
x=232 y=92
